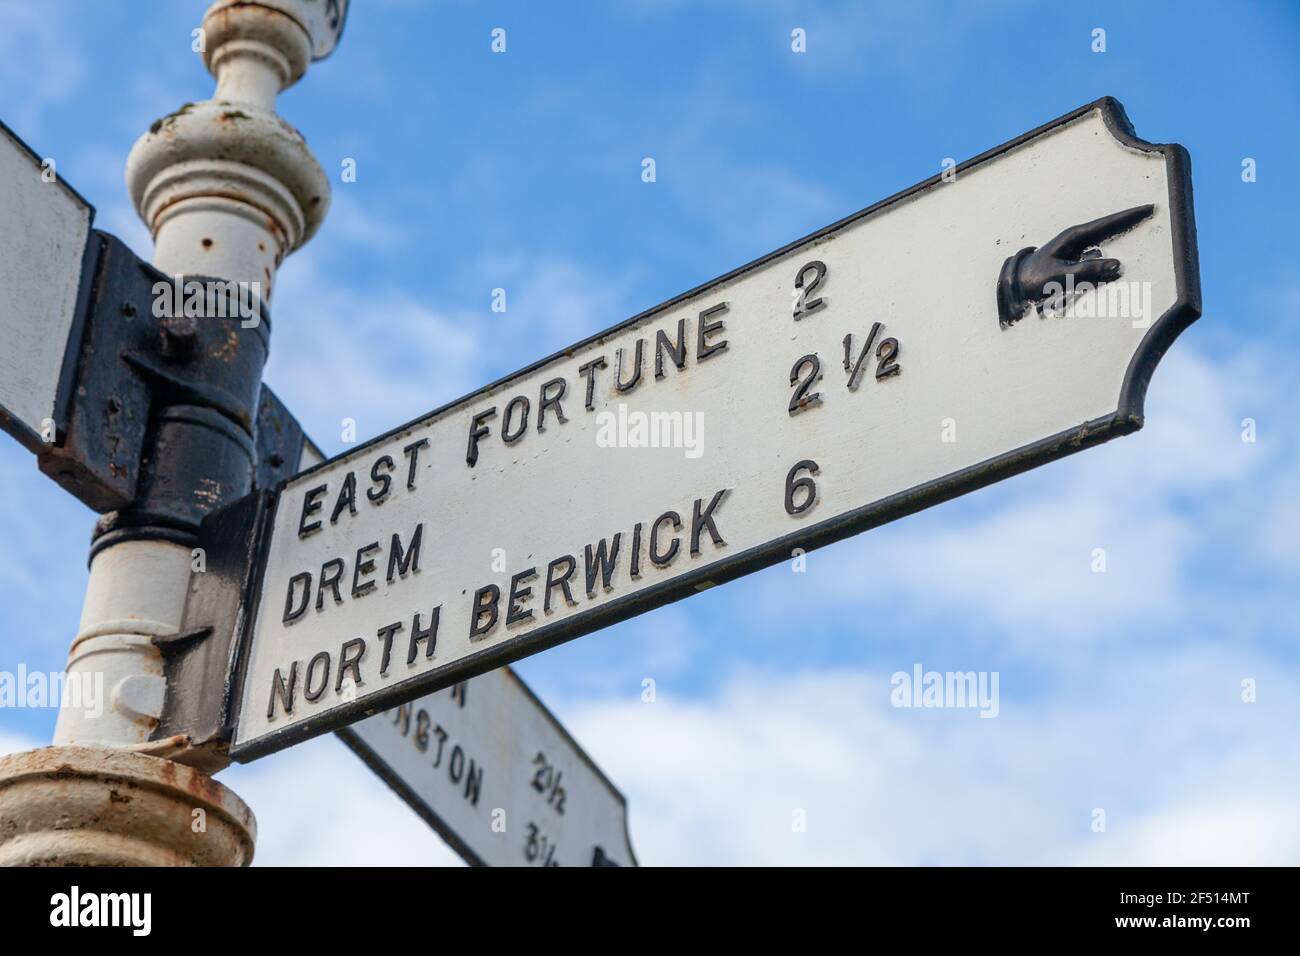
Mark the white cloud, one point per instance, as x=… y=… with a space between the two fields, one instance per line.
x=551 y=303
x=719 y=781
x=378 y=356
x=1220 y=828
x=349 y=222
x=319 y=805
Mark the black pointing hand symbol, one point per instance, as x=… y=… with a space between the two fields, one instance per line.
x=1029 y=277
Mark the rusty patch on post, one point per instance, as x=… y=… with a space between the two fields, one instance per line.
x=54 y=811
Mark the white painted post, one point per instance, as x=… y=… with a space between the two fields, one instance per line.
x=228 y=189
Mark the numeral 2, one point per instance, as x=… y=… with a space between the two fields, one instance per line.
x=805 y=287
x=802 y=398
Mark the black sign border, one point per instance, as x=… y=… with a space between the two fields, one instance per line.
x=1127 y=418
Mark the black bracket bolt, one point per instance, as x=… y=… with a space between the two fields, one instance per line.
x=180 y=334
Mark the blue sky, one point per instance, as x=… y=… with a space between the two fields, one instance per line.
x=522 y=170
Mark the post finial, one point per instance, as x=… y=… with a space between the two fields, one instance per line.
x=225 y=185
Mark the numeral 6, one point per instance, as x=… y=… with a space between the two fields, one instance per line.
x=806 y=484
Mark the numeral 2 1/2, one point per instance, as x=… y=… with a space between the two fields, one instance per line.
x=807 y=369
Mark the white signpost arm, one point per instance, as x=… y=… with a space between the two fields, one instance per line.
x=46 y=237
x=955 y=334
x=497 y=776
